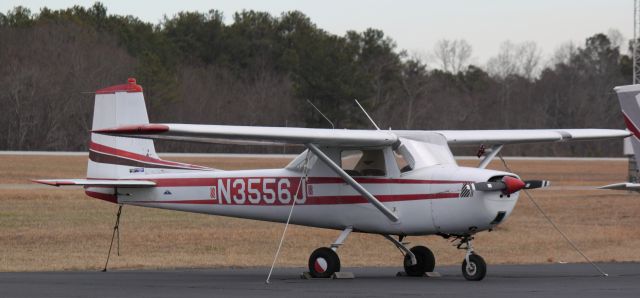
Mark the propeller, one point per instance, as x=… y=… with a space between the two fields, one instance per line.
x=509 y=185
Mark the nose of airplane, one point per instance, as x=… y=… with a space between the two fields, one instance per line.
x=512 y=184
x=509 y=184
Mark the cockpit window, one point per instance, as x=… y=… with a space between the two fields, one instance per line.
x=403 y=164
x=363 y=162
x=431 y=150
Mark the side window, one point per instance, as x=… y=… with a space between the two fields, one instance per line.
x=363 y=162
x=349 y=159
x=401 y=162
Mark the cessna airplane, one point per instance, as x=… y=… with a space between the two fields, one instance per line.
x=395 y=183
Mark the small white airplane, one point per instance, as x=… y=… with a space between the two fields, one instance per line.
x=630 y=105
x=395 y=183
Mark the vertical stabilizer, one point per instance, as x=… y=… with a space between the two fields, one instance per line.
x=114 y=157
x=121 y=157
x=629 y=98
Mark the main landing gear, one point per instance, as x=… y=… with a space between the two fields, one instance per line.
x=324 y=261
x=474 y=268
x=418 y=261
x=425 y=261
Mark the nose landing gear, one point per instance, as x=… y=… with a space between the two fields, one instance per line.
x=474 y=268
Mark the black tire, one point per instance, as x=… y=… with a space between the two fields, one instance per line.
x=425 y=258
x=477 y=270
x=323 y=262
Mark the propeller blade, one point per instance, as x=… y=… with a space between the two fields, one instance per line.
x=489 y=186
x=531 y=184
x=508 y=185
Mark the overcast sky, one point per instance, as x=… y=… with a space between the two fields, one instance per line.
x=415 y=25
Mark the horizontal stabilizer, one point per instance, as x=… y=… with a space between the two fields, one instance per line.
x=97 y=182
x=622 y=186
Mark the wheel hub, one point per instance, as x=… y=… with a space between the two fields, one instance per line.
x=320 y=265
x=471 y=268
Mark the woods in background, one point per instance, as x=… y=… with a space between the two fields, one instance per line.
x=260 y=70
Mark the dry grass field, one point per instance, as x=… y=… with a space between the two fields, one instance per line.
x=46 y=229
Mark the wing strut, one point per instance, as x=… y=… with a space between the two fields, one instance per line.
x=495 y=149
x=338 y=170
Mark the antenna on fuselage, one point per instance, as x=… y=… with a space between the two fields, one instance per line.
x=366 y=114
x=325 y=117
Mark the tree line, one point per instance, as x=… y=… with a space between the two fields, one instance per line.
x=261 y=69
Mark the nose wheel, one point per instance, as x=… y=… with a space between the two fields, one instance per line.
x=474 y=268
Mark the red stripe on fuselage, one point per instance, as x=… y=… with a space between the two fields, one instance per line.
x=138 y=157
x=368 y=180
x=320 y=200
x=167 y=182
x=357 y=199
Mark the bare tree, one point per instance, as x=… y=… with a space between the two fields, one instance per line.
x=563 y=53
x=529 y=59
x=516 y=59
x=504 y=64
x=43 y=72
x=452 y=55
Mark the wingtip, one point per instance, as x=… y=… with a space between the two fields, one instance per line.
x=51 y=182
x=43 y=182
x=622 y=186
x=134 y=129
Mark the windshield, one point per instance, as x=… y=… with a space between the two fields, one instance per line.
x=432 y=149
x=298 y=163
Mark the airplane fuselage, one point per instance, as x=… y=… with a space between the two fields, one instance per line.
x=427 y=201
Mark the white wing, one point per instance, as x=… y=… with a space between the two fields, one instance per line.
x=345 y=137
x=255 y=134
x=622 y=186
x=515 y=136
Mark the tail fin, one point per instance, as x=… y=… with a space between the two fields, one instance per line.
x=120 y=157
x=629 y=98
